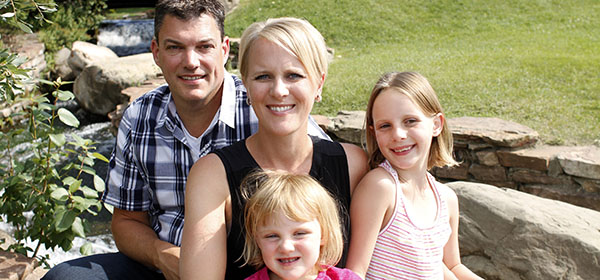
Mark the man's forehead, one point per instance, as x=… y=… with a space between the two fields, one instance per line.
x=172 y=22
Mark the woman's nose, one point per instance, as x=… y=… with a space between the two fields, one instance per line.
x=280 y=89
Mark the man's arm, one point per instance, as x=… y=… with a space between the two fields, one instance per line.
x=136 y=239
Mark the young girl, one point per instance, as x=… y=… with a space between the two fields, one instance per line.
x=293 y=230
x=404 y=223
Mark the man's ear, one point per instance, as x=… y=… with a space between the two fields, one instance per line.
x=154 y=49
x=438 y=124
x=225 y=47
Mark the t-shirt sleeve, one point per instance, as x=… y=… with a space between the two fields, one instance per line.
x=126 y=187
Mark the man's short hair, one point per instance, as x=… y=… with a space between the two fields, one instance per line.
x=189 y=9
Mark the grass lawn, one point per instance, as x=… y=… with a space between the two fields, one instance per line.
x=532 y=62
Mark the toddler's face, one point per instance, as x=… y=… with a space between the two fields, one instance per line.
x=290 y=249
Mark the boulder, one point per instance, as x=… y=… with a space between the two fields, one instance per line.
x=84 y=54
x=62 y=68
x=507 y=234
x=15 y=266
x=98 y=88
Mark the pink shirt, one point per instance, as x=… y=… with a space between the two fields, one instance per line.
x=333 y=273
x=406 y=251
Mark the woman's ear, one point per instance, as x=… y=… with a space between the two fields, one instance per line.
x=438 y=124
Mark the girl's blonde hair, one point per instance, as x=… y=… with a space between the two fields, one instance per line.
x=297 y=36
x=416 y=87
x=300 y=198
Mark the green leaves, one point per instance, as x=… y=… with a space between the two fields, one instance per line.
x=67 y=117
x=47 y=177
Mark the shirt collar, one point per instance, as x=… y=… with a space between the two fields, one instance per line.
x=228 y=99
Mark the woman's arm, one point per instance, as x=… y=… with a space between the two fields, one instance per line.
x=357 y=164
x=370 y=209
x=204 y=240
x=451 y=250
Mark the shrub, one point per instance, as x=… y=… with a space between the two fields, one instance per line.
x=32 y=149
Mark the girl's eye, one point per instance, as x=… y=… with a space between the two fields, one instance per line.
x=410 y=122
x=383 y=126
x=271 y=236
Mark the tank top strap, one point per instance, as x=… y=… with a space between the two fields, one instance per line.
x=388 y=167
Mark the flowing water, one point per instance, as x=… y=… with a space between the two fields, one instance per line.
x=126 y=36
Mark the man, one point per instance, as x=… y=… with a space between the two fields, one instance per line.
x=161 y=135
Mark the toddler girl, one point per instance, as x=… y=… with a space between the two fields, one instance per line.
x=404 y=223
x=293 y=229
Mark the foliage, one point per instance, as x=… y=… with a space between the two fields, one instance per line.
x=531 y=62
x=27 y=15
x=41 y=168
x=75 y=20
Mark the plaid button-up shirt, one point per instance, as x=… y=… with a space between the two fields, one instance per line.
x=152 y=157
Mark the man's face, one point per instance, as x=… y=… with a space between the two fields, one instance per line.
x=191 y=56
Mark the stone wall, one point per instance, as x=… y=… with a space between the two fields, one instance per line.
x=504 y=154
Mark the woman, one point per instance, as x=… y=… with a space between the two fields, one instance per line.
x=283 y=65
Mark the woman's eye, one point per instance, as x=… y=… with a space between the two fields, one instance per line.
x=295 y=76
x=261 y=77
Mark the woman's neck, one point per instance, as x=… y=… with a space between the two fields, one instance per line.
x=292 y=153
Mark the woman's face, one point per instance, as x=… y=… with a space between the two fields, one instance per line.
x=279 y=88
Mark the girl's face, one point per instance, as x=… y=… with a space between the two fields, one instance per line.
x=290 y=249
x=279 y=87
x=403 y=131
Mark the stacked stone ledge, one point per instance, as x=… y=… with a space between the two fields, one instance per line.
x=504 y=154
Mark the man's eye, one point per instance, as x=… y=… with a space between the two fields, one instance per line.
x=172 y=47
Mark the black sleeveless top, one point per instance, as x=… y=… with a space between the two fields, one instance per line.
x=329 y=167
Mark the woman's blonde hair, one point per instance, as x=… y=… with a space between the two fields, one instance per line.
x=300 y=198
x=297 y=36
x=416 y=87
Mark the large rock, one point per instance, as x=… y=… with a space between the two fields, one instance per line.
x=84 y=54
x=507 y=234
x=15 y=266
x=61 y=62
x=98 y=88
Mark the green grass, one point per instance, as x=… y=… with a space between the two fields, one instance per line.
x=120 y=13
x=532 y=62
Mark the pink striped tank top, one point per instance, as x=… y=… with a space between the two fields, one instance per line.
x=405 y=251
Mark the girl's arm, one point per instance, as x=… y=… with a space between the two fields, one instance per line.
x=451 y=251
x=204 y=240
x=370 y=209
